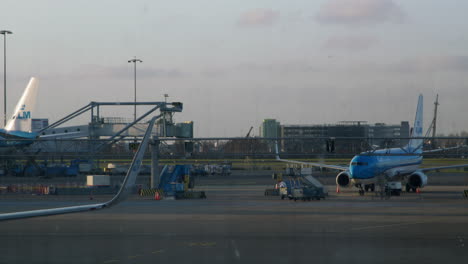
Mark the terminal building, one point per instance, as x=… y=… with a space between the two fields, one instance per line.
x=270 y=129
x=379 y=135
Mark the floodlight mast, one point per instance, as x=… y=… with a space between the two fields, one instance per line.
x=4 y=33
x=134 y=61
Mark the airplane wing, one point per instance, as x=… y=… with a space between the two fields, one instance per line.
x=313 y=164
x=443 y=167
x=127 y=185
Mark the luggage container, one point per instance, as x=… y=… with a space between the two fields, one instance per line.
x=98 y=180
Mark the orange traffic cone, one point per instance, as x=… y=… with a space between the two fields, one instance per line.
x=157 y=197
x=337 y=189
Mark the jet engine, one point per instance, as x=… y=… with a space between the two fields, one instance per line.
x=417 y=179
x=343 y=179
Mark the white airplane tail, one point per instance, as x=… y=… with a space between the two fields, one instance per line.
x=21 y=118
x=415 y=145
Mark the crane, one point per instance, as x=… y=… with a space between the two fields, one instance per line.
x=248 y=133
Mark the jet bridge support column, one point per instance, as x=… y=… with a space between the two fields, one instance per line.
x=154 y=182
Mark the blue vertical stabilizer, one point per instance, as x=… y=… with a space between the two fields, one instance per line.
x=416 y=142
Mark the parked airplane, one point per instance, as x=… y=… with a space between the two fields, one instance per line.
x=395 y=164
x=17 y=131
x=127 y=185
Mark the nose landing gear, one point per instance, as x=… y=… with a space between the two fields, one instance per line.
x=409 y=188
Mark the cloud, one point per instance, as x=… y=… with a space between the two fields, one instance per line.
x=351 y=43
x=259 y=17
x=360 y=12
x=278 y=67
x=99 y=71
x=430 y=64
x=282 y=67
x=340 y=65
x=410 y=65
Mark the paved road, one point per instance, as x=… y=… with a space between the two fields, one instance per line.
x=237 y=224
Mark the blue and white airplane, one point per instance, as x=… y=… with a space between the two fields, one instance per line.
x=17 y=131
x=395 y=164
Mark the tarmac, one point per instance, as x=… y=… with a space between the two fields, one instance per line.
x=238 y=224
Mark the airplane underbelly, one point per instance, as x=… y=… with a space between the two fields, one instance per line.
x=401 y=171
x=355 y=181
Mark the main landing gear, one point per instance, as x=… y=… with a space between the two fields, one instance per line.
x=369 y=187
x=361 y=191
x=366 y=188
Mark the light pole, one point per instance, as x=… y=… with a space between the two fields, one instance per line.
x=134 y=61
x=4 y=33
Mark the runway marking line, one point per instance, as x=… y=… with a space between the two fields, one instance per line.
x=158 y=251
x=202 y=244
x=383 y=226
x=111 y=261
x=135 y=256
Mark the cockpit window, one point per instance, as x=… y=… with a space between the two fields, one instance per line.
x=359 y=163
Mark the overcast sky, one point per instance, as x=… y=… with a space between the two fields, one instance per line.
x=235 y=63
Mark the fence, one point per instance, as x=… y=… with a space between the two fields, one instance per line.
x=254 y=152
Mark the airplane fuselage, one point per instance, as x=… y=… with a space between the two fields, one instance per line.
x=16 y=138
x=389 y=162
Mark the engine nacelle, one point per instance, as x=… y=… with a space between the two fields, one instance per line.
x=417 y=179
x=343 y=179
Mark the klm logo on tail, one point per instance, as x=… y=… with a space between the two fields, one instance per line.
x=23 y=114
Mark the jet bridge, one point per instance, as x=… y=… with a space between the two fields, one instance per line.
x=113 y=127
x=102 y=131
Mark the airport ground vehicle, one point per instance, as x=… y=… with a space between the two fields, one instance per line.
x=306 y=193
x=283 y=192
x=302 y=188
x=393 y=188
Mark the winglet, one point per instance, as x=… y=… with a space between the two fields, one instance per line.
x=129 y=181
x=127 y=185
